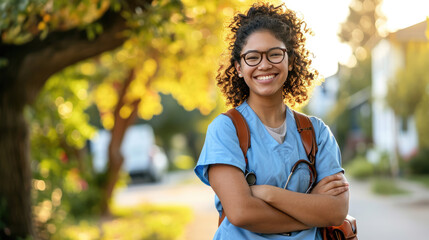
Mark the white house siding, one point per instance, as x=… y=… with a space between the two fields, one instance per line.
x=387 y=58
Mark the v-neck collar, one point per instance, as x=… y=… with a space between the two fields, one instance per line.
x=263 y=132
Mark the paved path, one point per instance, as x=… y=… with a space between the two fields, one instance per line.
x=400 y=217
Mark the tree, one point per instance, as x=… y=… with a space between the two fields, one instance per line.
x=38 y=39
x=161 y=65
x=41 y=38
x=64 y=184
x=363 y=26
x=360 y=31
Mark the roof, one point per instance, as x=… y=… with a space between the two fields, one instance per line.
x=415 y=32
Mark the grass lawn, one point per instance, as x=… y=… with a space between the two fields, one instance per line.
x=386 y=186
x=144 y=222
x=423 y=179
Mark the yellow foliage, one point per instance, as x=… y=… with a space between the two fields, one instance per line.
x=136 y=90
x=59 y=100
x=150 y=105
x=88 y=68
x=84 y=231
x=106 y=59
x=182 y=63
x=108 y=120
x=184 y=162
x=125 y=111
x=105 y=97
x=65 y=109
x=149 y=67
x=41 y=26
x=145 y=222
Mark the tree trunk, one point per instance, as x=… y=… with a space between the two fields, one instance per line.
x=394 y=158
x=117 y=136
x=15 y=175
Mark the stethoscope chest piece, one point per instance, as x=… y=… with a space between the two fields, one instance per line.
x=250 y=178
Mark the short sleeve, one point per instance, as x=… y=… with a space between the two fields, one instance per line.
x=221 y=146
x=328 y=157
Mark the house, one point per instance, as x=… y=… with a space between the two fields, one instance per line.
x=324 y=97
x=390 y=133
x=326 y=105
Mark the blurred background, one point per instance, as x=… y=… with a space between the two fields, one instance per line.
x=105 y=104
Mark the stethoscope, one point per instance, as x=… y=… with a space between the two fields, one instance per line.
x=250 y=177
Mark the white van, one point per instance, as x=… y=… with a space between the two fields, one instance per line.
x=142 y=158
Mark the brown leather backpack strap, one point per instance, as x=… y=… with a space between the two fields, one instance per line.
x=241 y=128
x=308 y=136
x=221 y=218
x=243 y=134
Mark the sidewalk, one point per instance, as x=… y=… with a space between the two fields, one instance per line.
x=378 y=217
x=390 y=217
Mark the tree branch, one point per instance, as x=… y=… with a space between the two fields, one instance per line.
x=31 y=64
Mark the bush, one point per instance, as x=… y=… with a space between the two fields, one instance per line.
x=382 y=166
x=386 y=186
x=360 y=168
x=420 y=163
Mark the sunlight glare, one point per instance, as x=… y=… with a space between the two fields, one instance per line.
x=325 y=17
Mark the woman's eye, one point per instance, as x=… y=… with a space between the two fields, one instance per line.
x=252 y=58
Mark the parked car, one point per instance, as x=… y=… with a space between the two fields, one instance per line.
x=142 y=158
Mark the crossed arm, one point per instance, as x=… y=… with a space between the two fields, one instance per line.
x=269 y=209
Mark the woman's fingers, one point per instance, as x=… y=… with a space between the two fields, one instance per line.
x=332 y=185
x=331 y=178
x=338 y=190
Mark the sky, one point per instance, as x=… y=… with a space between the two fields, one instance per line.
x=325 y=16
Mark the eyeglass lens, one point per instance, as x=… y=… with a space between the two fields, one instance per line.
x=275 y=55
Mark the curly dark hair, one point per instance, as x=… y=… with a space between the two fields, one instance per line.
x=286 y=27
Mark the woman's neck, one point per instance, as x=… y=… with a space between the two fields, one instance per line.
x=271 y=112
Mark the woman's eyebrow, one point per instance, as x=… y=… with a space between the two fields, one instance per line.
x=253 y=50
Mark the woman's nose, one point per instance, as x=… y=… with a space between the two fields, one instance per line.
x=265 y=64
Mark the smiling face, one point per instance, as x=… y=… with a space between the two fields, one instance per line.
x=266 y=79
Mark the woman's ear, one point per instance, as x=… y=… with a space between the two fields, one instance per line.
x=291 y=61
x=238 y=68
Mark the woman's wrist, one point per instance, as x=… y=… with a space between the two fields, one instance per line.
x=264 y=192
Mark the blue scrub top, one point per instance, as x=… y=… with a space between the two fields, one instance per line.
x=269 y=160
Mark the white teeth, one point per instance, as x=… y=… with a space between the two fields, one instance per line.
x=265 y=77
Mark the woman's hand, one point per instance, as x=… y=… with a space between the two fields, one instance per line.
x=332 y=185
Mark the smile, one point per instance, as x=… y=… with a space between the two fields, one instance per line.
x=266 y=77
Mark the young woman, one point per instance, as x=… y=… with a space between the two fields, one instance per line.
x=269 y=69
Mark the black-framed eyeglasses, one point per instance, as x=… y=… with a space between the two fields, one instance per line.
x=274 y=55
x=306 y=166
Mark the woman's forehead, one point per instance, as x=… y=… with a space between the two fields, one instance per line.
x=262 y=41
